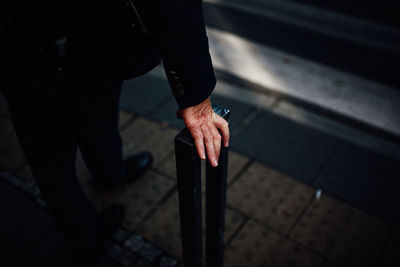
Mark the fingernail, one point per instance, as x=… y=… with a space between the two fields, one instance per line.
x=226 y=144
x=203 y=156
x=215 y=163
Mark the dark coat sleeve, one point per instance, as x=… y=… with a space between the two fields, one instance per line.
x=184 y=48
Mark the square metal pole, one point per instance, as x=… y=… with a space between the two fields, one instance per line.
x=215 y=209
x=188 y=170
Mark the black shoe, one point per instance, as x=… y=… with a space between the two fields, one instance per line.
x=135 y=167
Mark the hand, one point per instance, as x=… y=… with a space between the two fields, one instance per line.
x=203 y=122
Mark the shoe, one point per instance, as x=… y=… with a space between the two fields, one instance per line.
x=135 y=167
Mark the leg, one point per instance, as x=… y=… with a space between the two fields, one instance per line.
x=49 y=143
x=98 y=131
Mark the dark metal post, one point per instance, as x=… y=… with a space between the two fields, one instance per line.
x=188 y=170
x=215 y=209
x=189 y=191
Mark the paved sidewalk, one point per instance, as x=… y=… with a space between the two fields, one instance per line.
x=274 y=216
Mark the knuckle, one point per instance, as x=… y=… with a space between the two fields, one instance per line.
x=209 y=141
x=207 y=135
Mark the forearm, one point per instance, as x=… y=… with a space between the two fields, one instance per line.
x=184 y=47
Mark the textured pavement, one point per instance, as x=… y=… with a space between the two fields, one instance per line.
x=273 y=218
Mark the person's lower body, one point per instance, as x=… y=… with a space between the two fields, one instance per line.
x=52 y=119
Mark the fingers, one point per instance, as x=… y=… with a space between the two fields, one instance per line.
x=222 y=124
x=209 y=143
x=198 y=142
x=216 y=140
x=208 y=139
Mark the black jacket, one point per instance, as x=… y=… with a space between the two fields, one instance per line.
x=103 y=42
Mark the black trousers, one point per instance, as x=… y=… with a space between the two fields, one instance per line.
x=52 y=119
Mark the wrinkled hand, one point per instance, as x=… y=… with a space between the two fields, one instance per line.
x=203 y=123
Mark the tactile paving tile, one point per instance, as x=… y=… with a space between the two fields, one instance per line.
x=367 y=179
x=143 y=134
x=124 y=117
x=257 y=246
x=235 y=164
x=138 y=198
x=163 y=227
x=392 y=252
x=269 y=196
x=341 y=233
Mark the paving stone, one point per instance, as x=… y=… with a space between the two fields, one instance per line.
x=149 y=252
x=168 y=166
x=138 y=198
x=166 y=113
x=134 y=243
x=292 y=148
x=258 y=246
x=168 y=262
x=128 y=259
x=120 y=235
x=269 y=196
x=124 y=117
x=235 y=164
x=341 y=233
x=365 y=179
x=114 y=251
x=143 y=134
x=391 y=257
x=142 y=94
x=163 y=227
x=12 y=157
